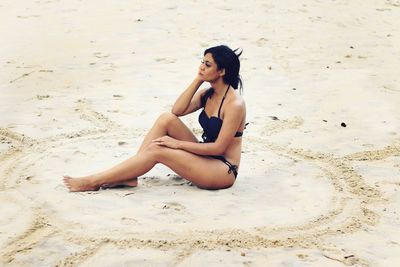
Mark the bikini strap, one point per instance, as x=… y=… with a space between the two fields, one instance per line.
x=223 y=98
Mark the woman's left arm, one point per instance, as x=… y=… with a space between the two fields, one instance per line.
x=231 y=123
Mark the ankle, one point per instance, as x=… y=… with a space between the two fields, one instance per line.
x=94 y=181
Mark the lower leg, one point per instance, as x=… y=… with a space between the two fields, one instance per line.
x=128 y=183
x=126 y=173
x=155 y=132
x=159 y=129
x=166 y=124
x=119 y=174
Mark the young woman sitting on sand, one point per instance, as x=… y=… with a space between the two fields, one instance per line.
x=210 y=164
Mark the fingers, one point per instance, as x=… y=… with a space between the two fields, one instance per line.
x=158 y=141
x=165 y=141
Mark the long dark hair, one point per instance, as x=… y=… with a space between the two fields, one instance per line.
x=227 y=59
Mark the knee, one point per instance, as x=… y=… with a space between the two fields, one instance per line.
x=166 y=118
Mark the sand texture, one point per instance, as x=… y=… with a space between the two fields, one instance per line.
x=81 y=82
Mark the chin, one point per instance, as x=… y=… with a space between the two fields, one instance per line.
x=208 y=79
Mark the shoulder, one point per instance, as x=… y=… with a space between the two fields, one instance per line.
x=236 y=104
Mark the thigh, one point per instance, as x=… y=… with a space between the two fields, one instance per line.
x=205 y=172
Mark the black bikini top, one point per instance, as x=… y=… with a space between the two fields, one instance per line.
x=211 y=125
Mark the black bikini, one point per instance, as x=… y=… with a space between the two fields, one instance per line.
x=212 y=126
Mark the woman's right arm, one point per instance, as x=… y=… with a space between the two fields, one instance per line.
x=190 y=100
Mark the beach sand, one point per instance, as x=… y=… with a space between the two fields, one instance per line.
x=82 y=81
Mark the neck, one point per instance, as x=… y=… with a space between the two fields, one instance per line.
x=219 y=87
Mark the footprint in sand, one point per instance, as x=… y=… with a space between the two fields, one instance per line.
x=261 y=42
x=78 y=152
x=276 y=125
x=174 y=180
x=100 y=55
x=166 y=60
x=170 y=206
x=128 y=221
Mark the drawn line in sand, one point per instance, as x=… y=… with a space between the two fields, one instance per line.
x=38 y=231
x=277 y=126
x=22 y=76
x=22 y=147
x=350 y=203
x=17 y=142
x=96 y=118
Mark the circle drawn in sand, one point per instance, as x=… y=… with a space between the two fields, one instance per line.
x=255 y=207
x=90 y=220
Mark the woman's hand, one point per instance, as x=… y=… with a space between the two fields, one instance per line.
x=167 y=141
x=199 y=78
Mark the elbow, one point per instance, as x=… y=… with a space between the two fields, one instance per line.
x=176 y=112
x=218 y=150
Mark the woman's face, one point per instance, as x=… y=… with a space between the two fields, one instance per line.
x=208 y=70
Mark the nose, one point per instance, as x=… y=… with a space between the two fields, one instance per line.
x=202 y=66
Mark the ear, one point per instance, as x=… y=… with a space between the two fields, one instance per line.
x=222 y=72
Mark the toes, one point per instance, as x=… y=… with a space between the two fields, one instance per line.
x=66 y=180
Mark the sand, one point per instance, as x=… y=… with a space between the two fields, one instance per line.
x=82 y=81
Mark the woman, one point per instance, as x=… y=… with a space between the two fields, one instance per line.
x=210 y=164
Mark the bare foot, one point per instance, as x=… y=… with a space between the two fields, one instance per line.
x=79 y=184
x=127 y=183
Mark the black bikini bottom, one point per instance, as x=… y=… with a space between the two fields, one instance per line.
x=232 y=168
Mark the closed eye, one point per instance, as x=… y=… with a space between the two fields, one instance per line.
x=207 y=63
